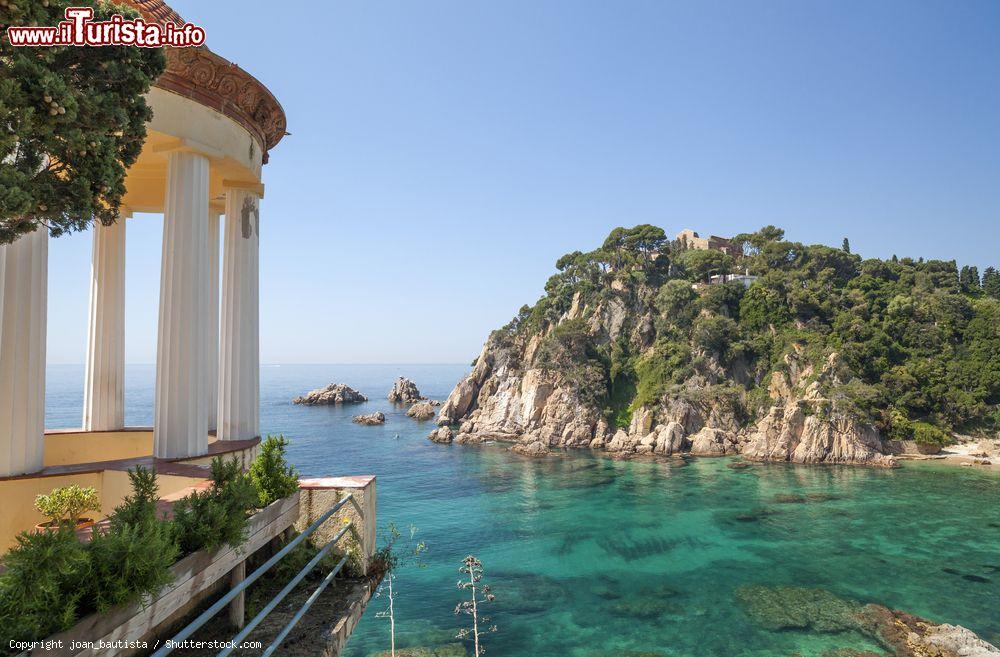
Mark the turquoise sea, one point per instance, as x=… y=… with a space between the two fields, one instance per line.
x=592 y=557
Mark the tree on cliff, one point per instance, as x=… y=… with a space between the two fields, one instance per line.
x=75 y=121
x=991 y=282
x=634 y=246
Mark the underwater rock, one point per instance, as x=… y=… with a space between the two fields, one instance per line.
x=791 y=607
x=790 y=498
x=781 y=608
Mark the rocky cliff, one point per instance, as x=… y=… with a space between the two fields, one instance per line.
x=505 y=400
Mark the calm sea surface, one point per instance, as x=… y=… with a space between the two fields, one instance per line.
x=593 y=557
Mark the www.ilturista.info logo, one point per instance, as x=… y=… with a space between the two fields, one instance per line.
x=80 y=29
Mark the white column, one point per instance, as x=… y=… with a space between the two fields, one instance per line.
x=239 y=358
x=212 y=355
x=104 y=384
x=181 y=412
x=23 y=316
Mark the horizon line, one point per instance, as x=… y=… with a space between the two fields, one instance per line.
x=277 y=364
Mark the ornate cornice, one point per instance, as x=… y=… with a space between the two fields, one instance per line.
x=213 y=81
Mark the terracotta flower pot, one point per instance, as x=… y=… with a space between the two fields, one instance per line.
x=82 y=523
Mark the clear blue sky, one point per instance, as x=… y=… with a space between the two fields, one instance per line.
x=444 y=154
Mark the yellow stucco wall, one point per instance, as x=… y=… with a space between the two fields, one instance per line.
x=19 y=501
x=74 y=447
x=112 y=486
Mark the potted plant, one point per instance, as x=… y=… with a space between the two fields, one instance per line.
x=67 y=505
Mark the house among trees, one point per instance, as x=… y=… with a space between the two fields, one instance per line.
x=745 y=278
x=690 y=239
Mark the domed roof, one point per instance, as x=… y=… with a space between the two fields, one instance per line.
x=213 y=81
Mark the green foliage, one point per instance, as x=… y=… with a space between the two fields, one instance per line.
x=43 y=584
x=133 y=558
x=714 y=333
x=208 y=519
x=699 y=265
x=130 y=561
x=272 y=477
x=68 y=504
x=52 y=579
x=140 y=505
x=667 y=364
x=675 y=302
x=75 y=121
x=397 y=550
x=991 y=282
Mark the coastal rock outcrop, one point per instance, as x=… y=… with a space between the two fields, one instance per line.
x=442 y=435
x=422 y=410
x=404 y=391
x=335 y=393
x=378 y=417
x=502 y=399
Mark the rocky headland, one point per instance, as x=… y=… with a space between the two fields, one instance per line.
x=404 y=391
x=637 y=352
x=335 y=393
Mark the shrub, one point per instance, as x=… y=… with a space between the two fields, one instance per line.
x=714 y=333
x=43 y=583
x=271 y=475
x=141 y=504
x=131 y=561
x=67 y=504
x=928 y=434
x=134 y=557
x=217 y=516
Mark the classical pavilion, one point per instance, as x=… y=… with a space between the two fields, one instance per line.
x=212 y=129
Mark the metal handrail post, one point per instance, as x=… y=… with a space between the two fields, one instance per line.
x=206 y=615
x=305 y=607
x=269 y=607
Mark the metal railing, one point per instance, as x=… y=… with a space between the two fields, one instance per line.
x=221 y=603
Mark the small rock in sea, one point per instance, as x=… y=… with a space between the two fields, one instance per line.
x=378 y=417
x=422 y=411
x=404 y=391
x=536 y=448
x=335 y=393
x=738 y=465
x=443 y=435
